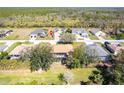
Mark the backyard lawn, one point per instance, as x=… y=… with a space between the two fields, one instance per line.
x=50 y=77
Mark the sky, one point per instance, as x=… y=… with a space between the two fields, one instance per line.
x=61 y=3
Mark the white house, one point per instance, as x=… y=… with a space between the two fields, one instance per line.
x=80 y=33
x=97 y=32
x=38 y=33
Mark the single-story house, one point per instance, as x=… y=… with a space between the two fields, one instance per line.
x=4 y=33
x=80 y=32
x=38 y=33
x=61 y=51
x=60 y=30
x=96 y=51
x=97 y=32
x=15 y=53
x=114 y=48
x=3 y=47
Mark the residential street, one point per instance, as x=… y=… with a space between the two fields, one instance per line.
x=86 y=40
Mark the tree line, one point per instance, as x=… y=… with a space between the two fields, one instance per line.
x=60 y=17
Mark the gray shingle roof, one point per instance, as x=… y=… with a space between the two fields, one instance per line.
x=2 y=47
x=95 y=30
x=78 y=30
x=39 y=31
x=95 y=50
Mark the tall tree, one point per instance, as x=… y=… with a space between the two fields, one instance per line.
x=40 y=57
x=118 y=70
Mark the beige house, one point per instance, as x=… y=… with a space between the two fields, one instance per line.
x=61 y=51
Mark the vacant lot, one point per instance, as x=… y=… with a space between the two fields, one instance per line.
x=19 y=33
x=50 y=77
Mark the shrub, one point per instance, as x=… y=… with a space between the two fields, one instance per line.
x=33 y=82
x=13 y=64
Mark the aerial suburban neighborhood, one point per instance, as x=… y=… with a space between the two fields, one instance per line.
x=62 y=46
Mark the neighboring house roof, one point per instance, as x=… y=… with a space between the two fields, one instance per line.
x=19 y=49
x=121 y=30
x=114 y=47
x=79 y=31
x=61 y=48
x=2 y=47
x=63 y=29
x=95 y=50
x=37 y=31
x=59 y=29
x=95 y=30
x=120 y=48
x=5 y=31
x=2 y=32
x=56 y=29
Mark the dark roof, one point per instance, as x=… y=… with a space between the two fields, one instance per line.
x=2 y=47
x=39 y=31
x=95 y=50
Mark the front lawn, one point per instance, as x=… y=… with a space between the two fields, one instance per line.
x=49 y=77
x=46 y=38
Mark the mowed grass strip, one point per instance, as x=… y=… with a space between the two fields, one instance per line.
x=44 y=77
x=13 y=46
x=2 y=43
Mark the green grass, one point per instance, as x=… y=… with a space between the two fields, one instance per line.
x=122 y=43
x=76 y=44
x=45 y=38
x=92 y=37
x=109 y=38
x=49 y=77
x=17 y=44
x=27 y=43
x=13 y=46
x=2 y=43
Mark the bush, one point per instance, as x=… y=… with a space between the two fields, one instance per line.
x=3 y=55
x=72 y=62
x=13 y=64
x=34 y=82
